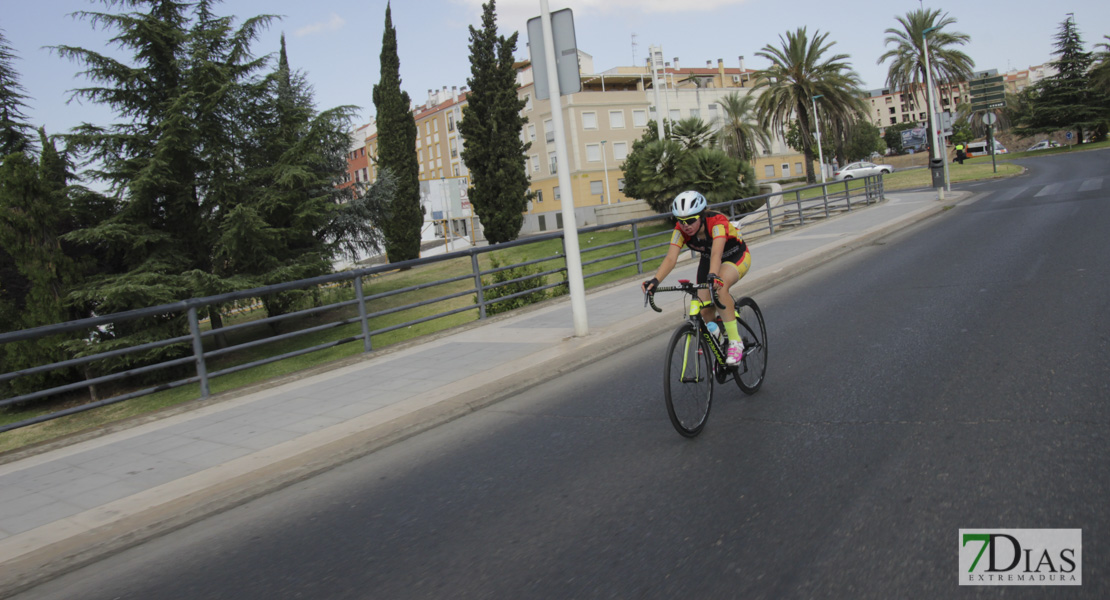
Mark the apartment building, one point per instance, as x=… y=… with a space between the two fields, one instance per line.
x=1016 y=81
x=358 y=163
x=611 y=112
x=887 y=107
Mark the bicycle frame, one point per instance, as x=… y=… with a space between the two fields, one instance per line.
x=694 y=312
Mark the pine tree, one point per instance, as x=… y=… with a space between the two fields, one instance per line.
x=397 y=152
x=492 y=147
x=14 y=129
x=1067 y=100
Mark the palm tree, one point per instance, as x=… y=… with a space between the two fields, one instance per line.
x=693 y=133
x=798 y=73
x=907 y=69
x=740 y=129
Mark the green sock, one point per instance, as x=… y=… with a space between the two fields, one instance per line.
x=730 y=329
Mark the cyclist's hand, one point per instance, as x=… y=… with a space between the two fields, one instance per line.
x=649 y=285
x=716 y=281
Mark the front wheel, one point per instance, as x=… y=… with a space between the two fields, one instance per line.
x=749 y=321
x=688 y=380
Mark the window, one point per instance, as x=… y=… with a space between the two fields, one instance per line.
x=620 y=150
x=620 y=184
x=527 y=101
x=892 y=110
x=556 y=193
x=553 y=162
x=365 y=174
x=596 y=188
x=712 y=112
x=549 y=130
x=786 y=169
x=535 y=163
x=539 y=196
x=435 y=126
x=456 y=169
x=798 y=170
x=593 y=152
x=454 y=148
x=639 y=118
x=450 y=122
x=589 y=120
x=616 y=119
x=531 y=132
x=428 y=128
x=769 y=171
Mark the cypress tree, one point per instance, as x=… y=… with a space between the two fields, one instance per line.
x=491 y=127
x=397 y=153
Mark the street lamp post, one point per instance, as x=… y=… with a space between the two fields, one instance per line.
x=929 y=100
x=605 y=166
x=817 y=123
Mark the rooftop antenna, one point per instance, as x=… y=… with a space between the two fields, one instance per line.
x=633 y=48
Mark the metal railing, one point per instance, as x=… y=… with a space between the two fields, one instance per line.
x=761 y=215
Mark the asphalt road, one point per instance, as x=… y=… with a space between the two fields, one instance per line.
x=955 y=375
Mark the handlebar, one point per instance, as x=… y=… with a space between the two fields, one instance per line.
x=684 y=285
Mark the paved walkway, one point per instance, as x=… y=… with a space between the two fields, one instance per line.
x=71 y=505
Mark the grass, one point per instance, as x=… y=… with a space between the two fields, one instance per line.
x=380 y=284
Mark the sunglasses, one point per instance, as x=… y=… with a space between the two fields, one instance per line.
x=688 y=220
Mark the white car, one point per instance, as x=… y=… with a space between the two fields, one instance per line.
x=861 y=169
x=1043 y=145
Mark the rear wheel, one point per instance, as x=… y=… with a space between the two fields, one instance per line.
x=688 y=380
x=749 y=321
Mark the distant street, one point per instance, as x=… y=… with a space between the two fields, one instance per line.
x=954 y=375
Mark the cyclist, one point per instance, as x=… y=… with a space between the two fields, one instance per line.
x=724 y=259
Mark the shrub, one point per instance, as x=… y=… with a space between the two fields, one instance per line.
x=531 y=283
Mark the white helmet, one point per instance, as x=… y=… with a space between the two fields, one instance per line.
x=688 y=204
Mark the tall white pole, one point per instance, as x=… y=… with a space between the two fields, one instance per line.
x=605 y=166
x=570 y=227
x=817 y=123
x=932 y=112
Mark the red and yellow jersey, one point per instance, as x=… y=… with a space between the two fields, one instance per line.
x=718 y=226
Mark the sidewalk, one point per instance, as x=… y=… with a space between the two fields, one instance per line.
x=73 y=505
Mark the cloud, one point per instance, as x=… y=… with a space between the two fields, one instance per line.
x=334 y=23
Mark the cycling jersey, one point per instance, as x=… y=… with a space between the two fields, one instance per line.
x=717 y=226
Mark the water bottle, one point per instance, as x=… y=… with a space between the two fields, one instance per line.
x=715 y=330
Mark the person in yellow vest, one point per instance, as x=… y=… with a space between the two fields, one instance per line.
x=961 y=155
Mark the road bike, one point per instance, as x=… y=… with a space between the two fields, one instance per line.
x=695 y=358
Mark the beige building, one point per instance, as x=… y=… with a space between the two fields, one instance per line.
x=888 y=107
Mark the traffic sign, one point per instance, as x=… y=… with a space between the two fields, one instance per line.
x=987 y=93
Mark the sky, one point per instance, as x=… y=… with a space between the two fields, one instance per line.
x=336 y=43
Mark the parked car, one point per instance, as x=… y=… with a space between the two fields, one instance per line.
x=1043 y=145
x=861 y=169
x=980 y=149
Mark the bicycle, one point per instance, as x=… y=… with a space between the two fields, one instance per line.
x=694 y=358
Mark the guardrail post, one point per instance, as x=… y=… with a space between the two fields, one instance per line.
x=636 y=246
x=362 y=314
x=478 y=285
x=826 y=206
x=798 y=201
x=198 y=352
x=770 y=216
x=847 y=195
